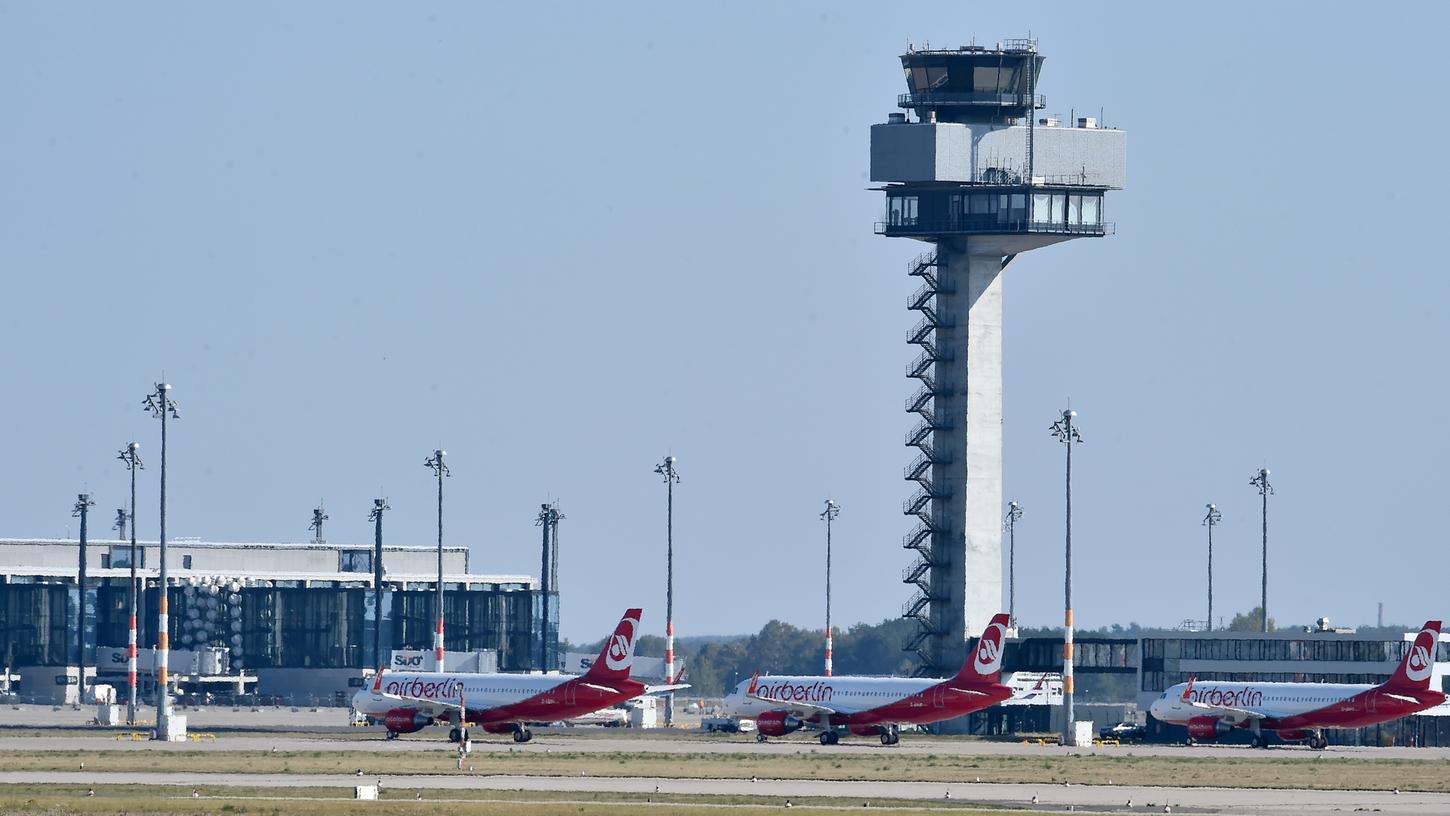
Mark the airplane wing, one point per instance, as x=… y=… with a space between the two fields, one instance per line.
x=402 y=698
x=1233 y=713
x=968 y=691
x=803 y=709
x=1230 y=712
x=664 y=689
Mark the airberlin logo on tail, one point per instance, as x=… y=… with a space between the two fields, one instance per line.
x=989 y=649
x=621 y=646
x=1418 y=663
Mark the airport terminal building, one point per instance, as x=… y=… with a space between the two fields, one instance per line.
x=291 y=621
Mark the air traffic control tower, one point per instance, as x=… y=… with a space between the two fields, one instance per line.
x=971 y=170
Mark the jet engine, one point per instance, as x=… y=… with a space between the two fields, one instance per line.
x=776 y=723
x=406 y=720
x=1207 y=728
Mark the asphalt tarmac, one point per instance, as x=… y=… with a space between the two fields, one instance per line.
x=1032 y=797
x=600 y=740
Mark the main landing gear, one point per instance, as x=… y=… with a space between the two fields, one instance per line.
x=830 y=738
x=890 y=735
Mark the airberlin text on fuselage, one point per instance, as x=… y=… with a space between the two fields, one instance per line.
x=1227 y=697
x=426 y=689
x=807 y=693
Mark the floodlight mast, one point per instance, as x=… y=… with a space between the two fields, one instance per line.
x=1261 y=481
x=548 y=519
x=1066 y=432
x=160 y=405
x=440 y=469
x=1014 y=514
x=829 y=514
x=319 y=515
x=82 y=511
x=1210 y=521
x=671 y=476
x=133 y=463
x=380 y=506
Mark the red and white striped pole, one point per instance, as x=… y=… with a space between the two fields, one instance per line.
x=159 y=403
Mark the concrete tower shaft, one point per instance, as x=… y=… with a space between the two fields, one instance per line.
x=971 y=179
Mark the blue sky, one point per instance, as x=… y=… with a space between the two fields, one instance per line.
x=562 y=240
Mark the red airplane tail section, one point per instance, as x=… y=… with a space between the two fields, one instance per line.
x=984 y=664
x=617 y=656
x=1413 y=673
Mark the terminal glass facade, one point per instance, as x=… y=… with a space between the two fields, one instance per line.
x=1304 y=659
x=291 y=624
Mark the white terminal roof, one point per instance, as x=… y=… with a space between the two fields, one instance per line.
x=251 y=562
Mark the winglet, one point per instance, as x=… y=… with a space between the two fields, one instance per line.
x=1189 y=688
x=1413 y=673
x=378 y=681
x=755 y=678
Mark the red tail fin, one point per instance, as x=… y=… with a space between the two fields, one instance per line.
x=1414 y=671
x=378 y=681
x=984 y=664
x=617 y=656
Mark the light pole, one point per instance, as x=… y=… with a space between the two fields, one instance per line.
x=671 y=476
x=1014 y=513
x=440 y=469
x=160 y=405
x=380 y=506
x=1066 y=432
x=129 y=456
x=829 y=514
x=319 y=515
x=82 y=511
x=1210 y=521
x=1261 y=481
x=548 y=519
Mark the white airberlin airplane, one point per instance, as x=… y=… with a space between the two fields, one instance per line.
x=872 y=705
x=506 y=703
x=1301 y=711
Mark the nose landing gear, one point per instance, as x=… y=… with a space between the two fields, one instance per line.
x=522 y=734
x=890 y=735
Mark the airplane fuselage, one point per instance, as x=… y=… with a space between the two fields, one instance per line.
x=1293 y=706
x=866 y=700
x=494 y=698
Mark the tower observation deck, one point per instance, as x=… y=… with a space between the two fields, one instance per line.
x=970 y=169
